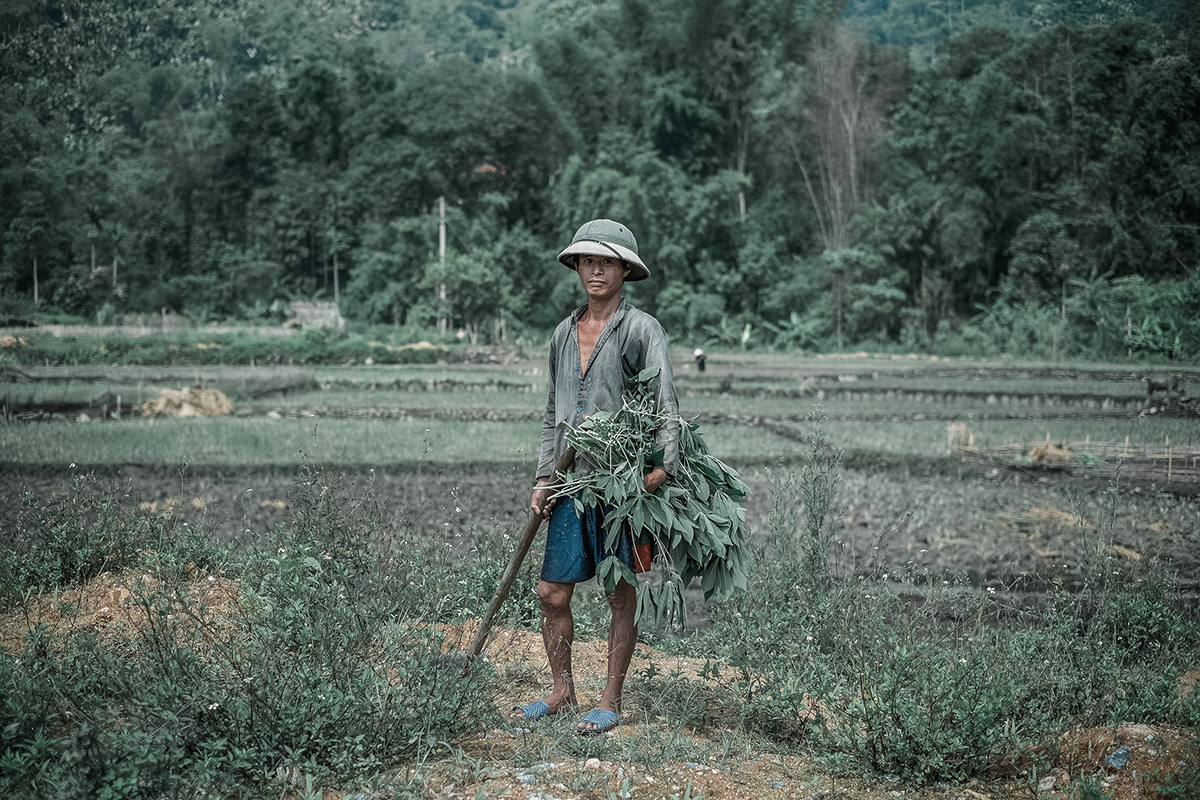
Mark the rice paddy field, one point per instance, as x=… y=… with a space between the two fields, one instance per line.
x=965 y=486
x=424 y=434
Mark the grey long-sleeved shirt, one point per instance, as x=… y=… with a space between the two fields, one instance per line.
x=631 y=341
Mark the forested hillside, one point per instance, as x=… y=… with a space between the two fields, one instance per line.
x=991 y=176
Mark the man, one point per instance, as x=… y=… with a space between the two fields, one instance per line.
x=594 y=355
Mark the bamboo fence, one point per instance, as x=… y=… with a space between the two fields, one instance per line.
x=1167 y=462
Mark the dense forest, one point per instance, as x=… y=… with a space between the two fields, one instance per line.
x=987 y=176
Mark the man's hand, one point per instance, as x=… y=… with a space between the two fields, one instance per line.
x=539 y=504
x=655 y=479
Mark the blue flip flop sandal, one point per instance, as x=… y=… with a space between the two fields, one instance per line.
x=534 y=711
x=604 y=721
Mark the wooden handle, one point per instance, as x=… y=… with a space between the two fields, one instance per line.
x=514 y=564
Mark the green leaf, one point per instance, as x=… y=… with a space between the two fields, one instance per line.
x=647 y=374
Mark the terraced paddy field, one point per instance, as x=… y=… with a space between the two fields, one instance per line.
x=432 y=431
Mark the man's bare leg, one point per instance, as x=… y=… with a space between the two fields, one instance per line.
x=558 y=634
x=622 y=636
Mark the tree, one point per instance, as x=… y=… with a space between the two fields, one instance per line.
x=847 y=92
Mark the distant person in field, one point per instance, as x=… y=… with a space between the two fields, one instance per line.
x=700 y=359
x=594 y=355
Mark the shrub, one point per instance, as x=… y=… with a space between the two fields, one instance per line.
x=64 y=541
x=317 y=664
x=941 y=681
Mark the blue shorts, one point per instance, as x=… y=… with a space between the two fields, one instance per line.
x=575 y=545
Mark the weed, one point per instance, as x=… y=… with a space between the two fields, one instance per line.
x=317 y=665
x=818 y=485
x=933 y=679
x=1089 y=788
x=68 y=540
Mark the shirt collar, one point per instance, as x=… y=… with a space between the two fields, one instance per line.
x=620 y=312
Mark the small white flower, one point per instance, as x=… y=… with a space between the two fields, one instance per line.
x=962 y=661
x=808 y=638
x=214 y=706
x=991 y=590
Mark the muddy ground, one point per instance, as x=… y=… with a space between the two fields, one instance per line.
x=999 y=528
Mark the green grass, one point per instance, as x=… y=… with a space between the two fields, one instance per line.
x=391 y=398
x=886 y=382
x=261 y=441
x=78 y=392
x=1132 y=388
x=882 y=362
x=928 y=438
x=475 y=373
x=485 y=396
x=521 y=387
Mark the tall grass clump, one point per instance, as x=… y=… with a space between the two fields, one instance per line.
x=306 y=656
x=57 y=542
x=923 y=676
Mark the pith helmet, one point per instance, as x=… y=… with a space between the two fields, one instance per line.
x=603 y=237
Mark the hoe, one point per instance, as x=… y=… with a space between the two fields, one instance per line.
x=510 y=572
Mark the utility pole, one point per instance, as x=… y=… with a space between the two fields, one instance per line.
x=35 y=286
x=441 y=289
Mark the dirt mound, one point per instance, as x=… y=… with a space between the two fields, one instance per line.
x=1052 y=453
x=1130 y=760
x=112 y=605
x=194 y=402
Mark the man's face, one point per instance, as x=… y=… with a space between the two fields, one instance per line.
x=602 y=276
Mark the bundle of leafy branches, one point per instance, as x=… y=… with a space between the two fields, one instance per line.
x=693 y=521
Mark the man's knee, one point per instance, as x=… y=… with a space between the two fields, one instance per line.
x=554 y=597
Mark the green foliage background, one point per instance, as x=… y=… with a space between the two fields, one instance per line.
x=999 y=176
